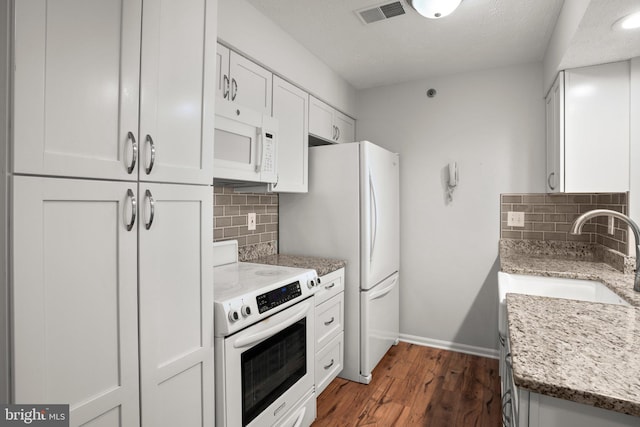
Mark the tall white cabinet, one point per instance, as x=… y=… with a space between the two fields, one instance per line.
x=110 y=262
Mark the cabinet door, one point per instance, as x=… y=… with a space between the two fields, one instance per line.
x=250 y=85
x=177 y=91
x=321 y=119
x=76 y=74
x=555 y=136
x=597 y=128
x=74 y=304
x=222 y=72
x=346 y=128
x=290 y=107
x=176 y=305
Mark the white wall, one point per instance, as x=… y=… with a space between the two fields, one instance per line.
x=243 y=27
x=493 y=124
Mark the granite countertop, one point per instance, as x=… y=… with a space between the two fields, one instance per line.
x=586 y=352
x=581 y=351
x=322 y=266
x=540 y=265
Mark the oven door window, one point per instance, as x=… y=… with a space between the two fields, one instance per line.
x=270 y=368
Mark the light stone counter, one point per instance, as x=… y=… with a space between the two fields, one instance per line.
x=580 y=351
x=322 y=266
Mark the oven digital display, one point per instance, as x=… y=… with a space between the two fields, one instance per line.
x=277 y=297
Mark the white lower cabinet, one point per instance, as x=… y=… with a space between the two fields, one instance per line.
x=329 y=323
x=110 y=305
x=74 y=298
x=303 y=414
x=175 y=308
x=524 y=408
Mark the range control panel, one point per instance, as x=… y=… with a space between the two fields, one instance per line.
x=277 y=297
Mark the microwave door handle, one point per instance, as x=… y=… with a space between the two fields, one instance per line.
x=259 y=151
x=259 y=336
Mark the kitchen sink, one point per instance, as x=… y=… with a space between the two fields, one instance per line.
x=554 y=287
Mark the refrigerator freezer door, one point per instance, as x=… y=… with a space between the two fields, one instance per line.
x=380 y=213
x=379 y=324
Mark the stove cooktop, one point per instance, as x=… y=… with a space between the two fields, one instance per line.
x=245 y=293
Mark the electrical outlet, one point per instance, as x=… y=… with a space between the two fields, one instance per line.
x=515 y=219
x=251 y=221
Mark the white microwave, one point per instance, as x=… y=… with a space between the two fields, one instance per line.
x=245 y=145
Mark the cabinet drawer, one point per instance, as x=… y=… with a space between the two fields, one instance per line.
x=330 y=285
x=329 y=319
x=329 y=362
x=303 y=414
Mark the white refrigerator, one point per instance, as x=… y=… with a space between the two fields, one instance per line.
x=351 y=212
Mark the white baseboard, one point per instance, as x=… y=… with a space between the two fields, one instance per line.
x=447 y=345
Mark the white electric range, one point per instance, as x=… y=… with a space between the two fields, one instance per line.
x=264 y=342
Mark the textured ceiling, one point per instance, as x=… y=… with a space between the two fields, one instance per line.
x=596 y=42
x=481 y=34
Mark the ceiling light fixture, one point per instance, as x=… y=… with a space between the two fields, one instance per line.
x=629 y=22
x=434 y=9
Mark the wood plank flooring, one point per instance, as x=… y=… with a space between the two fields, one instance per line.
x=417 y=386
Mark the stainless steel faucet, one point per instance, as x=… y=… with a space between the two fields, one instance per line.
x=579 y=222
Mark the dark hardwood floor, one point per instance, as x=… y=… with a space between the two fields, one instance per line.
x=417 y=386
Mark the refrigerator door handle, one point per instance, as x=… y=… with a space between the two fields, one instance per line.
x=374 y=220
x=383 y=292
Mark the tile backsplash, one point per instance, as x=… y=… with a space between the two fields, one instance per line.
x=548 y=217
x=230 y=213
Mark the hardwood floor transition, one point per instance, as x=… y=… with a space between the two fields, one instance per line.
x=417 y=386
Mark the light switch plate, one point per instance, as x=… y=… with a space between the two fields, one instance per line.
x=251 y=221
x=515 y=219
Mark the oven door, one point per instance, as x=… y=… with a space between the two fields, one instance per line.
x=267 y=367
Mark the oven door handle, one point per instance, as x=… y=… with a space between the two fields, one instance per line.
x=252 y=339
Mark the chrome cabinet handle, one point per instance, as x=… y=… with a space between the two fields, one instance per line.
x=329 y=322
x=234 y=89
x=552 y=174
x=134 y=209
x=329 y=365
x=152 y=209
x=134 y=148
x=152 y=160
x=338 y=130
x=330 y=285
x=225 y=89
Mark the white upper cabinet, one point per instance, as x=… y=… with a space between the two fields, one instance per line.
x=290 y=107
x=242 y=81
x=177 y=91
x=587 y=114
x=328 y=123
x=76 y=73
x=80 y=85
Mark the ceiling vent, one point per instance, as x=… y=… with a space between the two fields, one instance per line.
x=381 y=12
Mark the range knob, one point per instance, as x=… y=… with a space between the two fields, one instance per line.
x=234 y=316
x=245 y=310
x=311 y=283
